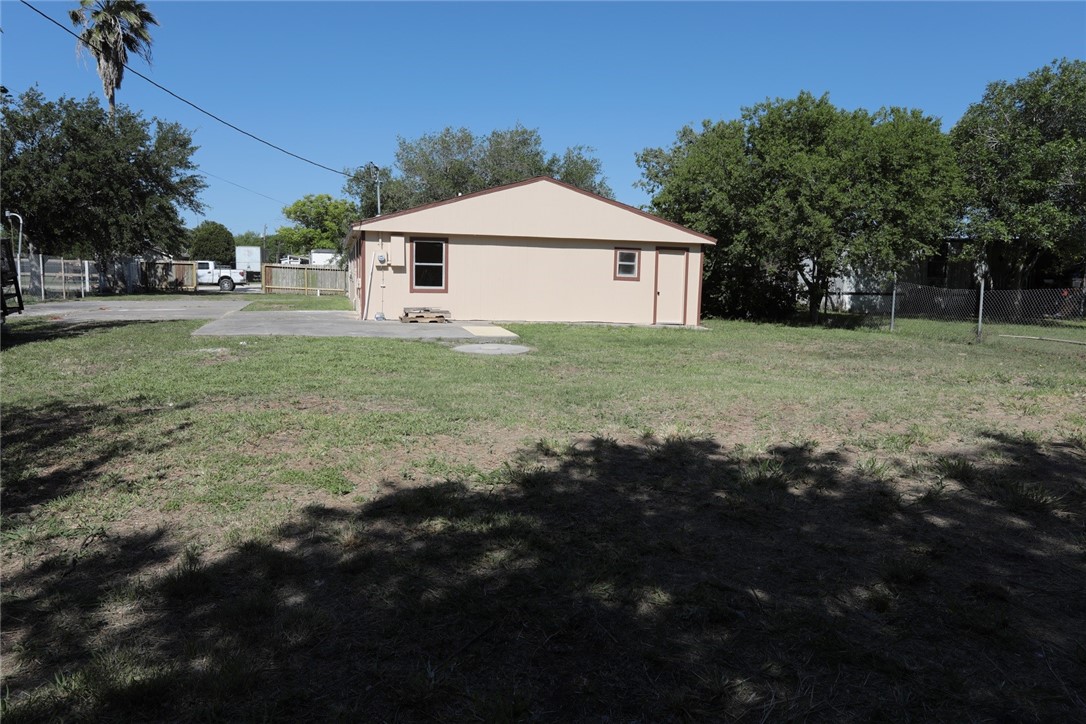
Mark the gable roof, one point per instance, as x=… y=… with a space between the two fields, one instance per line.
x=539 y=207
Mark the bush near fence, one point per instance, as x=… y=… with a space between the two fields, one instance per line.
x=168 y=275
x=303 y=279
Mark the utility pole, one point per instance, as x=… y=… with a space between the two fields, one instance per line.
x=377 y=179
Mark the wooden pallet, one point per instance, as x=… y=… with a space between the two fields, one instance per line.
x=425 y=315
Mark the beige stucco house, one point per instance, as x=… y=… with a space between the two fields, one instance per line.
x=537 y=250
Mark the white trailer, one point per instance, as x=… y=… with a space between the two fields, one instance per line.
x=324 y=257
x=250 y=259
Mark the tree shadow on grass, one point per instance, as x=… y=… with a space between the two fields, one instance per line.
x=840 y=320
x=39 y=468
x=659 y=581
x=42 y=329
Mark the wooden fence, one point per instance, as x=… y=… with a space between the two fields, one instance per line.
x=172 y=275
x=303 y=279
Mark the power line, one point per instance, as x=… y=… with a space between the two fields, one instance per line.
x=269 y=198
x=190 y=103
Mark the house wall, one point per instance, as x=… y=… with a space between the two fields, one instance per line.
x=525 y=279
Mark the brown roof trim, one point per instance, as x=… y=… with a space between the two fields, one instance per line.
x=535 y=179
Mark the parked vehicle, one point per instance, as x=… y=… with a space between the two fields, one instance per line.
x=293 y=260
x=249 y=259
x=207 y=272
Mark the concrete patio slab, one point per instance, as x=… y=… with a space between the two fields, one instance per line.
x=337 y=324
x=489 y=331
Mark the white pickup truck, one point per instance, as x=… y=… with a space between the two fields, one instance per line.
x=208 y=273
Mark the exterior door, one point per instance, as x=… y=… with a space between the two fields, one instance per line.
x=671 y=277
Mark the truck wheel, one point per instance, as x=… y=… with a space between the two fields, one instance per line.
x=226 y=284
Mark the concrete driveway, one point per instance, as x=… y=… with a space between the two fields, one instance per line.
x=113 y=309
x=227 y=319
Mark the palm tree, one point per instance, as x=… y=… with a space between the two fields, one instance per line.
x=111 y=30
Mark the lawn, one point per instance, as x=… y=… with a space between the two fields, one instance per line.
x=289 y=302
x=748 y=522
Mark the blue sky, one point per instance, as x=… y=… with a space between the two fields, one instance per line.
x=338 y=82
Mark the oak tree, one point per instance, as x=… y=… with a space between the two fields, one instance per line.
x=1022 y=148
x=801 y=189
x=88 y=187
x=210 y=240
x=455 y=161
x=320 y=222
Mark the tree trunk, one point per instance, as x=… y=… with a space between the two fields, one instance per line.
x=816 y=290
x=815 y=294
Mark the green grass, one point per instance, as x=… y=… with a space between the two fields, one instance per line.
x=294 y=302
x=746 y=522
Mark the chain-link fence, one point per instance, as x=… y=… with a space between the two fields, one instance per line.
x=969 y=314
x=1047 y=314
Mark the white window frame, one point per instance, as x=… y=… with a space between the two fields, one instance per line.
x=619 y=276
x=444 y=265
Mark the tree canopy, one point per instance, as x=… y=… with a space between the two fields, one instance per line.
x=248 y=238
x=320 y=222
x=455 y=161
x=88 y=187
x=1023 y=151
x=211 y=240
x=799 y=188
x=111 y=29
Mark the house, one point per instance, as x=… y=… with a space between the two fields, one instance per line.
x=536 y=250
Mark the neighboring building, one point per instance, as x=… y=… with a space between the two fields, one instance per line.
x=537 y=250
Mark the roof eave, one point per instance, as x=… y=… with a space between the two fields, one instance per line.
x=363 y=223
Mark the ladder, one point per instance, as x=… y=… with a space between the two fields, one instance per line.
x=11 y=294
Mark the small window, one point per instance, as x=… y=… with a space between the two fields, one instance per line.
x=628 y=264
x=202 y=265
x=428 y=265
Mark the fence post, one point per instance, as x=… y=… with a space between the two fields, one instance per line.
x=84 y=286
x=63 y=281
x=305 y=280
x=41 y=274
x=980 y=311
x=893 y=303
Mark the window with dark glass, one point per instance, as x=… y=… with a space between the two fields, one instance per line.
x=428 y=264
x=627 y=264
